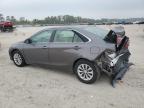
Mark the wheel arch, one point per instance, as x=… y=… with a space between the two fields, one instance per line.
x=12 y=51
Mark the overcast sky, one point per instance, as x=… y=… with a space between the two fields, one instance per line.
x=86 y=8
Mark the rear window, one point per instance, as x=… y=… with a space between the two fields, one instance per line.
x=98 y=31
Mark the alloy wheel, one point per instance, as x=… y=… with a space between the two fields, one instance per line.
x=85 y=72
x=17 y=59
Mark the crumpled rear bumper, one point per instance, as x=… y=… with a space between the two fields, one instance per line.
x=121 y=66
x=114 y=64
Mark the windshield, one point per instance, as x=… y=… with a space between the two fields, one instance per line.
x=98 y=31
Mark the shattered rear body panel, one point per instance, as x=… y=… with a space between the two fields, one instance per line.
x=115 y=63
x=121 y=66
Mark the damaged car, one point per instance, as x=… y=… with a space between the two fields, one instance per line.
x=89 y=51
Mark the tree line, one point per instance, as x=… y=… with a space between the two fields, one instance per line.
x=65 y=19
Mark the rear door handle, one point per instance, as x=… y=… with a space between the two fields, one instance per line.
x=77 y=47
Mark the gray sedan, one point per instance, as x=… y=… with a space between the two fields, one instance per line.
x=89 y=51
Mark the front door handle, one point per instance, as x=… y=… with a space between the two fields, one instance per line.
x=77 y=47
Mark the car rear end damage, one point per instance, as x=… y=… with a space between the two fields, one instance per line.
x=115 y=63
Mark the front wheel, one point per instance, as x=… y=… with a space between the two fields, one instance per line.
x=18 y=59
x=86 y=71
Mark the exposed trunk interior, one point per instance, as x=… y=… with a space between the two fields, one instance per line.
x=112 y=38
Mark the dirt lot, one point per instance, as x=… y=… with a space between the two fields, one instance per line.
x=45 y=87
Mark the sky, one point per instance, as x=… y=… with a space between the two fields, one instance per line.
x=96 y=9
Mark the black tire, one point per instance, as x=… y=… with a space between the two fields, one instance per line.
x=2 y=30
x=22 y=63
x=95 y=70
x=10 y=30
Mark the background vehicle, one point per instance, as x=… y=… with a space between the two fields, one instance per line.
x=6 y=26
x=88 y=50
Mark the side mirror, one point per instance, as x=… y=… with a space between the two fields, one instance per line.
x=28 y=41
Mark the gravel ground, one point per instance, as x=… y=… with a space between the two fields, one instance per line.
x=53 y=87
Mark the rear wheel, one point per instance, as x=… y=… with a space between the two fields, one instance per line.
x=18 y=59
x=86 y=71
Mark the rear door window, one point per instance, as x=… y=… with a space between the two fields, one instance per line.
x=67 y=36
x=64 y=36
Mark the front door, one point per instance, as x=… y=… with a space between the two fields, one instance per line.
x=37 y=50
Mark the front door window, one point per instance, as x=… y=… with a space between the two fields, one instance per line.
x=42 y=37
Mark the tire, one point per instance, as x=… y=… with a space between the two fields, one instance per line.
x=10 y=30
x=89 y=75
x=2 y=30
x=18 y=59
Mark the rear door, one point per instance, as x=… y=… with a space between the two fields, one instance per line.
x=37 y=50
x=65 y=47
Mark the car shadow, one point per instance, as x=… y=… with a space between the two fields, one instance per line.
x=67 y=71
x=61 y=69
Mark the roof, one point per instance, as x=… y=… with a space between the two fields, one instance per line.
x=77 y=29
